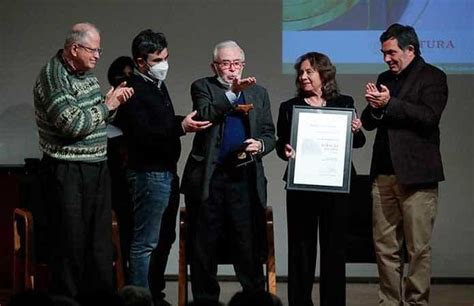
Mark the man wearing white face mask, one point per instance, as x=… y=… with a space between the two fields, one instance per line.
x=152 y=132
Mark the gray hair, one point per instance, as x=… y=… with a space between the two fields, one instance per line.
x=224 y=45
x=79 y=32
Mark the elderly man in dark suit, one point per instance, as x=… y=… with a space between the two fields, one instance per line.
x=223 y=181
x=405 y=107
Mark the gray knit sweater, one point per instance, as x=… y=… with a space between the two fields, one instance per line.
x=70 y=113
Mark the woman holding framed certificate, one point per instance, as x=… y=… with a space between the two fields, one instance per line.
x=309 y=209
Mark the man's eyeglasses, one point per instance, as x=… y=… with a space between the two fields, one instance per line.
x=91 y=50
x=228 y=64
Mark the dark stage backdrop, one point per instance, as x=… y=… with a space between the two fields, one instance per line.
x=32 y=31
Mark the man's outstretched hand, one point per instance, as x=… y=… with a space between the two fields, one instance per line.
x=191 y=125
x=239 y=85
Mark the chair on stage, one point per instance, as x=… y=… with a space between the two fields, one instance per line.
x=30 y=274
x=268 y=260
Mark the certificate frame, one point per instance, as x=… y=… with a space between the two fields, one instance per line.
x=322 y=140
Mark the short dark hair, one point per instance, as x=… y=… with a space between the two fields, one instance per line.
x=327 y=72
x=147 y=42
x=405 y=36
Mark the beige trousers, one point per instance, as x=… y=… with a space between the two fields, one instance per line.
x=403 y=213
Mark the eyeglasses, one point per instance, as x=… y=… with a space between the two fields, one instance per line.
x=91 y=50
x=228 y=64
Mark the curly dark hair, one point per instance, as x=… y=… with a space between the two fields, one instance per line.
x=115 y=74
x=327 y=72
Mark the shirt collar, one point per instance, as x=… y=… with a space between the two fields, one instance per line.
x=148 y=79
x=409 y=68
x=67 y=63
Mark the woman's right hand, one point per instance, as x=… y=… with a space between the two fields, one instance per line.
x=289 y=151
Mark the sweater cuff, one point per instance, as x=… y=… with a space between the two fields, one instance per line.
x=105 y=114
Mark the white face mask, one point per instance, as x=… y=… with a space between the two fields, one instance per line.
x=159 y=70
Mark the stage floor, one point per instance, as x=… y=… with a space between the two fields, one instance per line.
x=357 y=294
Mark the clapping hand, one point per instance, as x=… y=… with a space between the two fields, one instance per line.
x=116 y=96
x=376 y=98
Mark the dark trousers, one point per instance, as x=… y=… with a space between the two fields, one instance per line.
x=229 y=205
x=159 y=256
x=305 y=211
x=80 y=219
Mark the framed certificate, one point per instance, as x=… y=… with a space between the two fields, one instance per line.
x=322 y=140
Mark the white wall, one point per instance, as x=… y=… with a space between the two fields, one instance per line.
x=32 y=31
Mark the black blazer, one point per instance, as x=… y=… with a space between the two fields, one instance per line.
x=211 y=103
x=412 y=122
x=285 y=115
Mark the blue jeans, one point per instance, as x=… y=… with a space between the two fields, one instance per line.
x=150 y=195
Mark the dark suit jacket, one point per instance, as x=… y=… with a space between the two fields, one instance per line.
x=286 y=113
x=150 y=126
x=211 y=103
x=412 y=122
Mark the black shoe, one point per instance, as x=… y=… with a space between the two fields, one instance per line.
x=162 y=302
